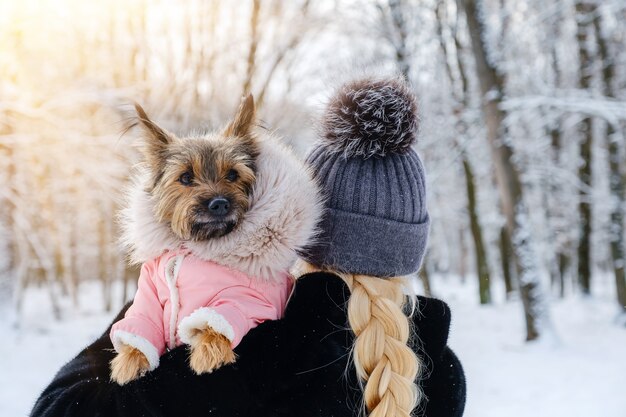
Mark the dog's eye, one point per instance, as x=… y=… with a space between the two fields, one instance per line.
x=186 y=179
x=232 y=175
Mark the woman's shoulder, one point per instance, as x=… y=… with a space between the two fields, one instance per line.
x=329 y=289
x=319 y=288
x=325 y=295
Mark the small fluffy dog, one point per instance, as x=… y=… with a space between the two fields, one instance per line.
x=216 y=220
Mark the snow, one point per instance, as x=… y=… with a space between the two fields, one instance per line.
x=34 y=352
x=581 y=375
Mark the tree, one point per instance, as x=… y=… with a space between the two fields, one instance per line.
x=254 y=43
x=585 y=11
x=508 y=177
x=462 y=104
x=616 y=181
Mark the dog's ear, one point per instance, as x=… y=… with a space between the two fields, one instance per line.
x=244 y=120
x=155 y=138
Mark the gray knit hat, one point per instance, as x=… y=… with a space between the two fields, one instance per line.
x=376 y=222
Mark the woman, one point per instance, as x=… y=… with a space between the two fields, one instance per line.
x=347 y=341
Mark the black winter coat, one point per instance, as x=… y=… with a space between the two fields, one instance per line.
x=297 y=366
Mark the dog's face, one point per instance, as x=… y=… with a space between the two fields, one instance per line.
x=201 y=186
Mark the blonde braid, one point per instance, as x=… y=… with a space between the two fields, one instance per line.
x=384 y=362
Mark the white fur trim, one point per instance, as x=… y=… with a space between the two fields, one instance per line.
x=284 y=211
x=121 y=337
x=171 y=275
x=200 y=319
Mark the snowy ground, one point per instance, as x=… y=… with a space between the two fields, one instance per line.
x=581 y=376
x=41 y=345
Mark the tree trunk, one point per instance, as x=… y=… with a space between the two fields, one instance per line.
x=550 y=190
x=560 y=247
x=425 y=278
x=562 y=241
x=462 y=255
x=506 y=254
x=550 y=254
x=105 y=269
x=584 y=13
x=396 y=8
x=254 y=42
x=508 y=179
x=617 y=222
x=615 y=178
x=482 y=266
x=564 y=263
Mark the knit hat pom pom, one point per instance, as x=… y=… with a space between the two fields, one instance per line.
x=371 y=117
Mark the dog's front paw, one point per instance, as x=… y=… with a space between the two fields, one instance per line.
x=128 y=365
x=209 y=351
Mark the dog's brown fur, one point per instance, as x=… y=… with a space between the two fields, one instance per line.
x=129 y=364
x=209 y=351
x=187 y=173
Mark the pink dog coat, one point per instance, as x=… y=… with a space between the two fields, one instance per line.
x=179 y=292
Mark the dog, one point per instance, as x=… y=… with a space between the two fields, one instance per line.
x=216 y=220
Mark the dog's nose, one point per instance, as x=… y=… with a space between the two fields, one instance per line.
x=219 y=206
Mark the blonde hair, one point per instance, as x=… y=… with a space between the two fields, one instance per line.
x=385 y=364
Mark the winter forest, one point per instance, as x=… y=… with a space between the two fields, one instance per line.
x=523 y=124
